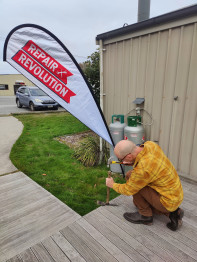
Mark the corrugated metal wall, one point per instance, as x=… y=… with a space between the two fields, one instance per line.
x=158 y=66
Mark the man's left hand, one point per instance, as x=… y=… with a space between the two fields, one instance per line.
x=109 y=182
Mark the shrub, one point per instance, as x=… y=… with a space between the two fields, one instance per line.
x=88 y=151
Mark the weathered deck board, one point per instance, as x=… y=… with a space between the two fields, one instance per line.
x=153 y=239
x=41 y=253
x=67 y=248
x=139 y=251
x=103 y=241
x=28 y=256
x=56 y=253
x=159 y=235
x=155 y=249
x=102 y=235
x=29 y=214
x=79 y=245
x=15 y=259
x=98 y=249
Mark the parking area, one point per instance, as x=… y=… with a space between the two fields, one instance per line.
x=8 y=106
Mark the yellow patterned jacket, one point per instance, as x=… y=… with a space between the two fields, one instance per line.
x=152 y=168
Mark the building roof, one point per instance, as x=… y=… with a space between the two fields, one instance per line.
x=166 y=18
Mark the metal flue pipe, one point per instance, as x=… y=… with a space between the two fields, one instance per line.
x=143 y=10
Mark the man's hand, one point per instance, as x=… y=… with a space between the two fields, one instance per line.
x=109 y=182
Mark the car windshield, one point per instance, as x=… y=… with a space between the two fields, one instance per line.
x=37 y=92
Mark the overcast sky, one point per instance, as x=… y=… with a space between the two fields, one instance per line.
x=76 y=22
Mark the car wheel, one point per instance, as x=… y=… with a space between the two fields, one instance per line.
x=31 y=106
x=18 y=103
x=55 y=108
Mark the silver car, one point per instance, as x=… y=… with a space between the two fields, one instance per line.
x=34 y=98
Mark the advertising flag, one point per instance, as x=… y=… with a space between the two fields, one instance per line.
x=42 y=58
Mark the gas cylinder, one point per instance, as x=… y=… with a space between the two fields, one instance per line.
x=116 y=129
x=134 y=131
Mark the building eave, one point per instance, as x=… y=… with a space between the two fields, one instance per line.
x=162 y=19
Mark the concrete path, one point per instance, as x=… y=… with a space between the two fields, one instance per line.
x=10 y=130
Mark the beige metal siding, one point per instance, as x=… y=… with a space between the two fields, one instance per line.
x=158 y=66
x=10 y=81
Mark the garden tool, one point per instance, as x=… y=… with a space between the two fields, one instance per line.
x=108 y=189
x=111 y=161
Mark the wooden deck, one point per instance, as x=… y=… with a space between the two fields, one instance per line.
x=47 y=230
x=28 y=214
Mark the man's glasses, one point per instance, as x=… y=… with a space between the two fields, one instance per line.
x=121 y=160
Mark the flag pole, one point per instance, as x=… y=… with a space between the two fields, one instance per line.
x=101 y=94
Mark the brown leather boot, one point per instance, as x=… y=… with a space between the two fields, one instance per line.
x=176 y=219
x=136 y=218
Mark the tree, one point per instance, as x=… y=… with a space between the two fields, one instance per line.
x=92 y=72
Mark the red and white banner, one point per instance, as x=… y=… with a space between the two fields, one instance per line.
x=45 y=76
x=43 y=59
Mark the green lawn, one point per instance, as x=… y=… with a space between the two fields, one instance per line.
x=36 y=153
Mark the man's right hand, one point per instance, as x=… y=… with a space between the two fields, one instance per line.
x=109 y=182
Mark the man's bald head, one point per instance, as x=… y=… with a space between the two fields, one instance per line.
x=123 y=148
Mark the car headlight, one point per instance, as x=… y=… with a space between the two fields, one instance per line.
x=38 y=100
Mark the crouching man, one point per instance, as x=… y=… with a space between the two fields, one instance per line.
x=153 y=182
